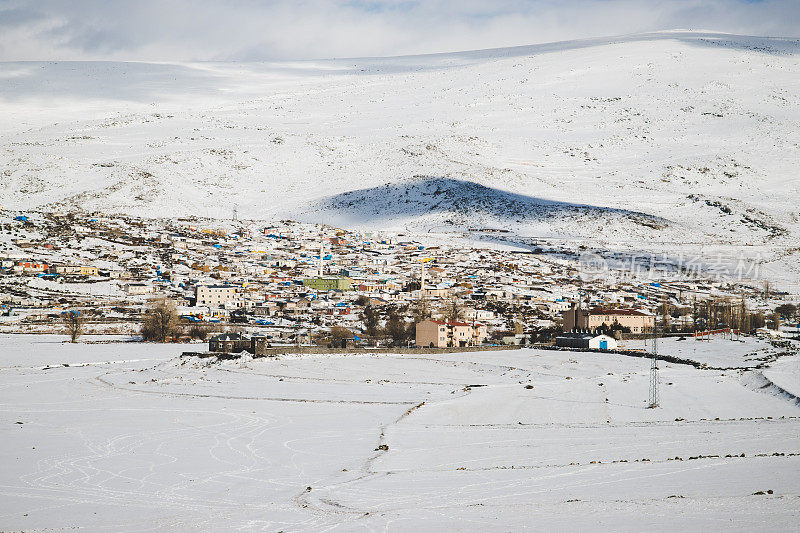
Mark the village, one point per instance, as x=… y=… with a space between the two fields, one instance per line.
x=236 y=284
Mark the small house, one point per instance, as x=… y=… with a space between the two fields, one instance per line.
x=229 y=343
x=588 y=341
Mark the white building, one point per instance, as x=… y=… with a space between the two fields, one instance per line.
x=215 y=296
x=137 y=289
x=478 y=314
x=603 y=342
x=592 y=342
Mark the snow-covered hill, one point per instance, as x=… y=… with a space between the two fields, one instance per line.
x=673 y=137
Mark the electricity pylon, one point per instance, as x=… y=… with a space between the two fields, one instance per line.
x=653 y=403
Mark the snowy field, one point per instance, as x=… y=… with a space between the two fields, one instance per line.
x=716 y=352
x=130 y=437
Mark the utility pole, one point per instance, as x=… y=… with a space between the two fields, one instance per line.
x=653 y=401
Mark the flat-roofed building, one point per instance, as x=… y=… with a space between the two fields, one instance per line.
x=137 y=289
x=329 y=284
x=216 y=296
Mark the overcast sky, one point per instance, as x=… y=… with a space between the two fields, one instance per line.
x=175 y=30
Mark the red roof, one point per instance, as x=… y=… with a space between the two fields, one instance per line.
x=628 y=312
x=443 y=323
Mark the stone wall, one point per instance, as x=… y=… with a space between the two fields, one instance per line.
x=284 y=350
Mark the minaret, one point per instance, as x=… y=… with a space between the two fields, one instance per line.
x=422 y=281
x=321 y=254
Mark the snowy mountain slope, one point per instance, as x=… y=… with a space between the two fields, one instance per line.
x=699 y=131
x=466 y=204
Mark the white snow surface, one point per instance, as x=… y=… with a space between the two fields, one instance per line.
x=653 y=141
x=718 y=351
x=130 y=437
x=785 y=374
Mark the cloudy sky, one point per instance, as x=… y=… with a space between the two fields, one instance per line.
x=175 y=30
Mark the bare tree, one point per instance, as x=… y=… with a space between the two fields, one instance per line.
x=198 y=331
x=787 y=311
x=453 y=312
x=744 y=317
x=339 y=336
x=73 y=323
x=160 y=322
x=774 y=321
x=397 y=329
x=421 y=310
x=370 y=318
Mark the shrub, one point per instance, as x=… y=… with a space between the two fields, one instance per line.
x=198 y=331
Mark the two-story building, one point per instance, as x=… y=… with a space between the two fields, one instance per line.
x=592 y=319
x=442 y=334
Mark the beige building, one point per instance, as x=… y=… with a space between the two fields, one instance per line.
x=75 y=270
x=137 y=289
x=88 y=270
x=591 y=319
x=216 y=296
x=441 y=334
x=435 y=291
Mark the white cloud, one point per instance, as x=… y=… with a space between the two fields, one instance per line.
x=283 y=29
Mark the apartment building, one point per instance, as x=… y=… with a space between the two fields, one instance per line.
x=441 y=334
x=216 y=296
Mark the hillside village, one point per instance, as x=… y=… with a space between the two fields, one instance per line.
x=306 y=284
x=427 y=285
